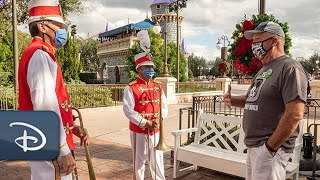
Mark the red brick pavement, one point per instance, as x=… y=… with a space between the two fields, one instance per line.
x=110 y=160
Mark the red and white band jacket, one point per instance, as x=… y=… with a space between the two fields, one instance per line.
x=141 y=102
x=41 y=87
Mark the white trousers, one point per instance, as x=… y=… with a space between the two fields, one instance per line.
x=48 y=170
x=261 y=165
x=142 y=152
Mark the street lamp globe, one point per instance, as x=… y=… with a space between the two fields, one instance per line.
x=317 y=62
x=219 y=45
x=156 y=29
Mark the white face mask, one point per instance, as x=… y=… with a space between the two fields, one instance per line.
x=258 y=51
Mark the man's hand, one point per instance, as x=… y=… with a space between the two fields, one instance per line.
x=150 y=125
x=156 y=121
x=227 y=98
x=68 y=163
x=80 y=134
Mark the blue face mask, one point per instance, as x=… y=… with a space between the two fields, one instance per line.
x=148 y=73
x=61 y=38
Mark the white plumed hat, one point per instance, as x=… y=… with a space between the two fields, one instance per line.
x=144 y=58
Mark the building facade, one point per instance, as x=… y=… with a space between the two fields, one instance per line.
x=115 y=44
x=113 y=48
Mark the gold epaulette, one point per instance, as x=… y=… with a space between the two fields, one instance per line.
x=133 y=82
x=45 y=48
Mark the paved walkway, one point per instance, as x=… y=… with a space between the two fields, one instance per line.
x=111 y=161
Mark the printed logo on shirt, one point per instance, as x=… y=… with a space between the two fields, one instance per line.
x=29 y=135
x=251 y=107
x=266 y=74
x=254 y=91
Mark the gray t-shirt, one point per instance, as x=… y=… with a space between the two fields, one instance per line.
x=276 y=84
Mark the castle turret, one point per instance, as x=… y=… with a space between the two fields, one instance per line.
x=166 y=19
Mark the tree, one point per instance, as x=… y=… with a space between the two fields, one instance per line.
x=310 y=64
x=68 y=58
x=172 y=60
x=89 y=58
x=6 y=54
x=215 y=70
x=157 y=51
x=195 y=63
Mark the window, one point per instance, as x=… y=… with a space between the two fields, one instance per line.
x=158 y=6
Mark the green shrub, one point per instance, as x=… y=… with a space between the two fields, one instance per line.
x=86 y=96
x=193 y=87
x=7 y=98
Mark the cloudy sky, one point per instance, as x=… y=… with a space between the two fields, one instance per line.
x=207 y=20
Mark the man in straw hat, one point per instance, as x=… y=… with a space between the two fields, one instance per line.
x=41 y=85
x=141 y=105
x=273 y=105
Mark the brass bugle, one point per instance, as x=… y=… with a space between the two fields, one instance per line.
x=88 y=156
x=162 y=146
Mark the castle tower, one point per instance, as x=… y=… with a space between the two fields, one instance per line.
x=166 y=19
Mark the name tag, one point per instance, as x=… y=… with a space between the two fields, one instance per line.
x=29 y=135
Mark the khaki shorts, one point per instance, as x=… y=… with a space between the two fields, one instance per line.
x=261 y=165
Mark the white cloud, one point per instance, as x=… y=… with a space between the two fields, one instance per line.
x=97 y=16
x=303 y=47
x=203 y=51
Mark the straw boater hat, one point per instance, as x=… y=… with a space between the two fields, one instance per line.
x=41 y=10
x=144 y=58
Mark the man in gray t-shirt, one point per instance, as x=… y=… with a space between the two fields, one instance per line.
x=274 y=105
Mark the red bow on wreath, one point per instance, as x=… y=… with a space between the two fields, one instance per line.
x=245 y=44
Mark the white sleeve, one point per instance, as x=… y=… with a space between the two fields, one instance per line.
x=41 y=77
x=164 y=105
x=128 y=108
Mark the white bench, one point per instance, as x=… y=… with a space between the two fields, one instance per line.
x=222 y=132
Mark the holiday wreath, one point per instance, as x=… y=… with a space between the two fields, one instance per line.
x=244 y=61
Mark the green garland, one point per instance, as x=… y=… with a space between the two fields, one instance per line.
x=237 y=36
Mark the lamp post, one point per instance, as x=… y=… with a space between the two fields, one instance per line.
x=224 y=48
x=177 y=6
x=317 y=69
x=15 y=45
x=200 y=70
x=157 y=30
x=262 y=6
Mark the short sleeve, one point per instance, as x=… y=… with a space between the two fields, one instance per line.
x=295 y=84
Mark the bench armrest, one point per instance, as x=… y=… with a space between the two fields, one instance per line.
x=183 y=131
x=177 y=136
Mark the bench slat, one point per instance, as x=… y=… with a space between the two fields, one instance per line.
x=212 y=158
